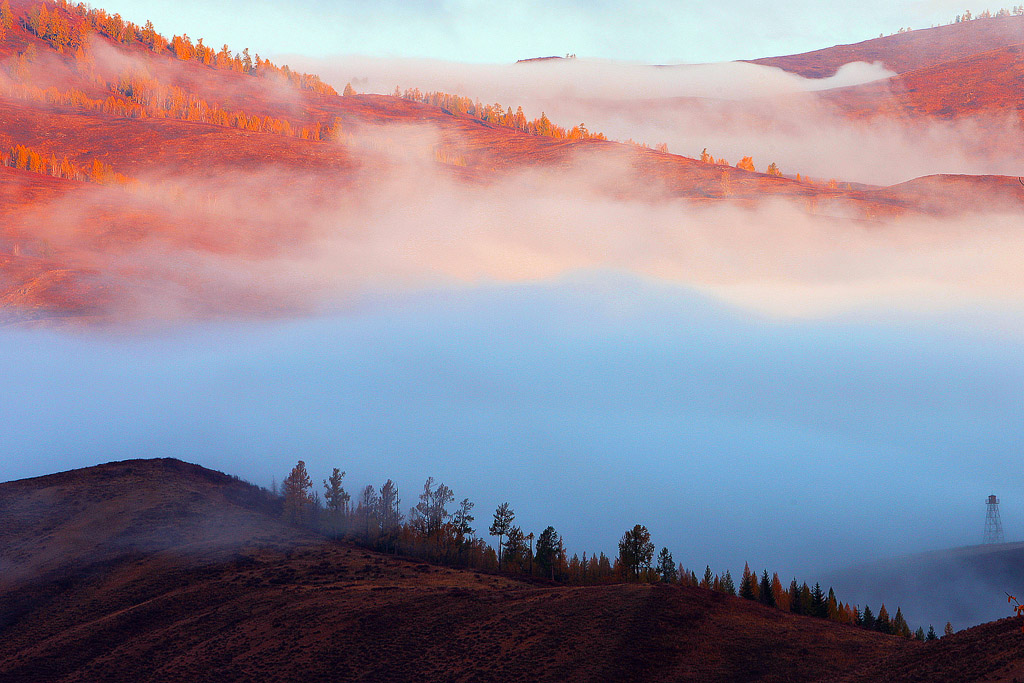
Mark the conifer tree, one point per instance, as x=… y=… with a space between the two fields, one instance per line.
x=463 y=519
x=765 y=590
x=932 y=635
x=336 y=499
x=795 y=606
x=390 y=515
x=296 y=494
x=548 y=545
x=948 y=631
x=728 y=587
x=503 y=518
x=819 y=607
x=747 y=583
x=666 y=566
x=882 y=622
x=867 y=618
x=899 y=624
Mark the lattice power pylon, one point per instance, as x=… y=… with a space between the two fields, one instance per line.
x=993 y=525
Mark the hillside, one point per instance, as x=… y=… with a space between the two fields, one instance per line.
x=159 y=144
x=909 y=51
x=157 y=570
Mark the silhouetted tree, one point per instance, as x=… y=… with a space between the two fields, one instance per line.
x=932 y=635
x=463 y=519
x=548 y=544
x=515 y=547
x=667 y=567
x=431 y=513
x=765 y=590
x=503 y=518
x=296 y=494
x=882 y=622
x=747 y=583
x=389 y=511
x=336 y=500
x=819 y=608
x=728 y=587
x=636 y=550
x=948 y=631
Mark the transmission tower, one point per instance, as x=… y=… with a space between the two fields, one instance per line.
x=993 y=525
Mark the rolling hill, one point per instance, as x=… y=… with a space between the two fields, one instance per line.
x=161 y=570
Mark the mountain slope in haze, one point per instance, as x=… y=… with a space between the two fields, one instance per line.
x=909 y=51
x=965 y=586
x=170 y=572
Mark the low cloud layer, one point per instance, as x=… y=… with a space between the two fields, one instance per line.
x=407 y=224
x=732 y=109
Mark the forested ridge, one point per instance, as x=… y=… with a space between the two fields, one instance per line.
x=431 y=530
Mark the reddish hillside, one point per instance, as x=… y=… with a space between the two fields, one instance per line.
x=986 y=83
x=183 y=152
x=163 y=571
x=908 y=51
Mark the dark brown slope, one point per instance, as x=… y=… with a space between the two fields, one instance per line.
x=990 y=652
x=164 y=571
x=909 y=51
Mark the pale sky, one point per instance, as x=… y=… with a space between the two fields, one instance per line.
x=650 y=31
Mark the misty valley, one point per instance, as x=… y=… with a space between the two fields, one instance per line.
x=365 y=364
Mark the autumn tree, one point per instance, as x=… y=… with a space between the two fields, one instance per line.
x=636 y=550
x=503 y=518
x=948 y=631
x=746 y=164
x=773 y=170
x=349 y=90
x=6 y=16
x=882 y=622
x=296 y=494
